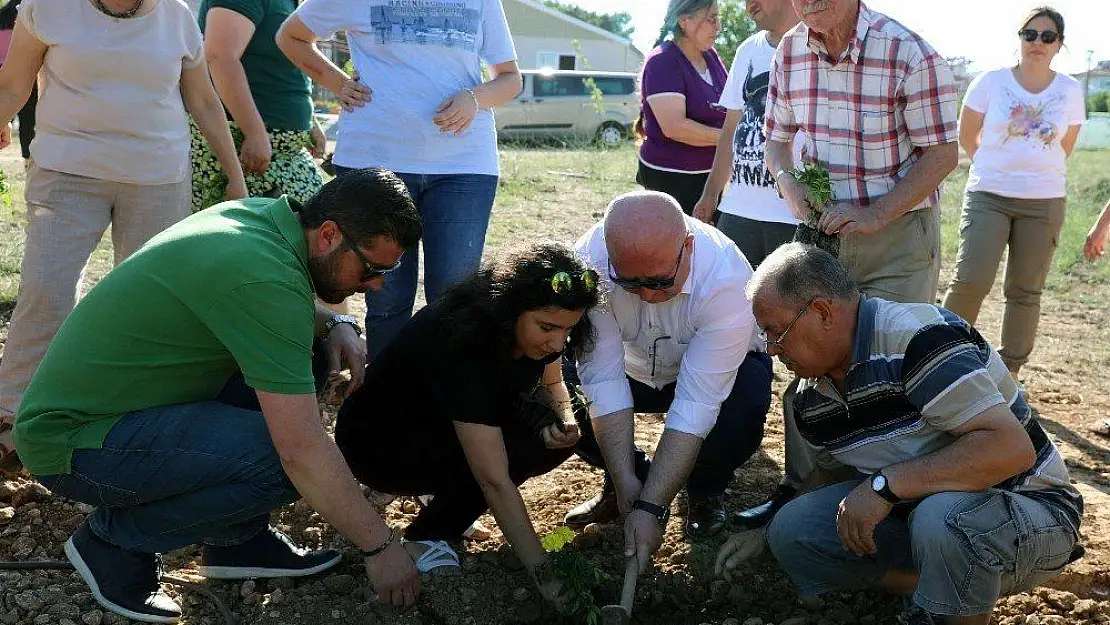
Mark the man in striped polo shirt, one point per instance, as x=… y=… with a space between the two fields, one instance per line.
x=959 y=497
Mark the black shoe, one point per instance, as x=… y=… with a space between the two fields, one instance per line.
x=124 y=582
x=269 y=554
x=758 y=516
x=705 y=517
x=601 y=508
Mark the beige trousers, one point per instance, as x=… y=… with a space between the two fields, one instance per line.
x=1031 y=229
x=66 y=218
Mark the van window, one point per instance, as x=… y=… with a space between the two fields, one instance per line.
x=549 y=86
x=614 y=85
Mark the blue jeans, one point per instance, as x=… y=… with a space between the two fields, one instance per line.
x=968 y=549
x=455 y=209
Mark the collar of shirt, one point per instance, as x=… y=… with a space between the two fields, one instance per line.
x=855 y=46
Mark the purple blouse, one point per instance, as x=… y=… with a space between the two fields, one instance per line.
x=667 y=70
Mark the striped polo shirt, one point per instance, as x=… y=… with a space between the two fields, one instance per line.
x=919 y=371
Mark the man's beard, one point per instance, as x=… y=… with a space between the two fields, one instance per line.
x=323 y=272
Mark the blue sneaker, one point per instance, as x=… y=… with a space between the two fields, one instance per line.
x=124 y=582
x=269 y=554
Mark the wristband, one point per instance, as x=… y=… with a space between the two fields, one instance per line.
x=475 y=96
x=370 y=553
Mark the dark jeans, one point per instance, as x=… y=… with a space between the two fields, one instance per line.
x=27 y=122
x=685 y=188
x=170 y=476
x=455 y=210
x=418 y=463
x=735 y=437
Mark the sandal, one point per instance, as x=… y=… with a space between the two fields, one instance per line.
x=437 y=558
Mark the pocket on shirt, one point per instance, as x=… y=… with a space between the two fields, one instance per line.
x=878 y=135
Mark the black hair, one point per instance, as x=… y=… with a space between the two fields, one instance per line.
x=366 y=203
x=8 y=14
x=1050 y=13
x=482 y=310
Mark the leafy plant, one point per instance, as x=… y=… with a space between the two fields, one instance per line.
x=579 y=574
x=819 y=194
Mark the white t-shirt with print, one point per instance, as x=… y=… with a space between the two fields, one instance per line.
x=751 y=189
x=415 y=54
x=1020 y=153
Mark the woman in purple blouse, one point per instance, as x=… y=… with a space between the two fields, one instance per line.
x=680 y=85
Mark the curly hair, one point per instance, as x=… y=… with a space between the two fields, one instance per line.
x=482 y=311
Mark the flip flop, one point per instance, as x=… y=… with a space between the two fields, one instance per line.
x=438 y=557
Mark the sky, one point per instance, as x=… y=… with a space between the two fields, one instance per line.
x=982 y=30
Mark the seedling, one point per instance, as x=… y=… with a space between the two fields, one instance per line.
x=579 y=574
x=819 y=194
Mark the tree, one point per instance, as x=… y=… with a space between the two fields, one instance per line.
x=736 y=26
x=617 y=23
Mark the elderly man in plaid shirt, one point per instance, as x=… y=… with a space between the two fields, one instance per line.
x=877 y=105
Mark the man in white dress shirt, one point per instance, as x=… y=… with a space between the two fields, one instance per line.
x=676 y=335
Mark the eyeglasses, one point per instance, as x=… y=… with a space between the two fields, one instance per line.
x=1030 y=35
x=651 y=284
x=562 y=282
x=369 y=269
x=777 y=343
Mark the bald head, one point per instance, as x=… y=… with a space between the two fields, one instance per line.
x=643 y=225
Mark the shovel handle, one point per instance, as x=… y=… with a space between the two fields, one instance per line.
x=628 y=592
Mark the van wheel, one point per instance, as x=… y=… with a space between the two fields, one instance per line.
x=610 y=133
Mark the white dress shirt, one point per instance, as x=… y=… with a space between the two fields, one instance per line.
x=698 y=338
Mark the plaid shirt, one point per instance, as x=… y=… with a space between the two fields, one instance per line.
x=867 y=115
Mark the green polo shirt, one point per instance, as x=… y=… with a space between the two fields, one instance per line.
x=227 y=288
x=281 y=92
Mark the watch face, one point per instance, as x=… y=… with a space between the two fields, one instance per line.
x=878 y=483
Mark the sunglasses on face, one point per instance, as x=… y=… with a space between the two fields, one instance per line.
x=1030 y=35
x=651 y=284
x=370 y=271
x=563 y=283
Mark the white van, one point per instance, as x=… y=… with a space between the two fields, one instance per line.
x=561 y=103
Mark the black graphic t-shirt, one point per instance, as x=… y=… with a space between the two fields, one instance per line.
x=751 y=192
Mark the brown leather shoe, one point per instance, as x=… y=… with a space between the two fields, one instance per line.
x=601 y=508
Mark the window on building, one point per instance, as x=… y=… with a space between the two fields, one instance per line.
x=568 y=61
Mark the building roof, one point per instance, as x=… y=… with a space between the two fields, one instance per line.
x=539 y=6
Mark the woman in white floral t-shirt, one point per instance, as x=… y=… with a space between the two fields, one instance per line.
x=1018 y=125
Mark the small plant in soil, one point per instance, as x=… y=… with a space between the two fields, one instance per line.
x=580 y=576
x=819 y=194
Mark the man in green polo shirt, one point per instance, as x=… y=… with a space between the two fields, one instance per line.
x=132 y=409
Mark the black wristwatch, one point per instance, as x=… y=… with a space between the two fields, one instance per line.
x=881 y=487
x=338 y=319
x=662 y=514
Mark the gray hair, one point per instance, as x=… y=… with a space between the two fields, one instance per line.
x=798 y=273
x=677 y=9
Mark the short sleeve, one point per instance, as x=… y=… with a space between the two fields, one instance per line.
x=732 y=95
x=497 y=41
x=268 y=328
x=978 y=96
x=326 y=17
x=663 y=75
x=26 y=15
x=1077 y=108
x=779 y=124
x=929 y=94
x=253 y=10
x=945 y=376
x=194 y=44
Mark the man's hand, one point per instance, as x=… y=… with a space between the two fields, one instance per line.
x=795 y=194
x=554 y=438
x=347 y=350
x=643 y=536
x=844 y=218
x=738 y=549
x=556 y=592
x=319 y=141
x=255 y=154
x=856 y=518
x=393 y=574
x=354 y=94
x=628 y=489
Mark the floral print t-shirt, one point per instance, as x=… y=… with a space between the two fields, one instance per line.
x=1020 y=151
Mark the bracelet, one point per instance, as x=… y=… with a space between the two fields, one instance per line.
x=473 y=95
x=370 y=553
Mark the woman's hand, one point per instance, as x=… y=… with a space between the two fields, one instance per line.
x=704 y=209
x=319 y=141
x=456 y=113
x=554 y=438
x=354 y=94
x=1095 y=246
x=255 y=154
x=236 y=188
